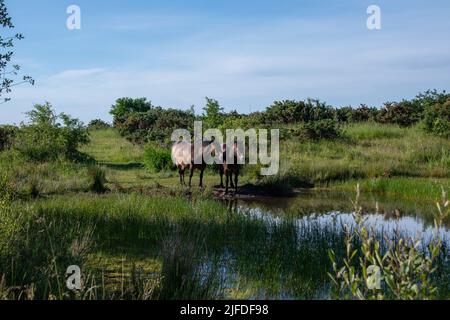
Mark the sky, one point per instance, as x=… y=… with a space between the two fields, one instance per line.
x=245 y=54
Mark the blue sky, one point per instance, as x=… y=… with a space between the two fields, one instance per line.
x=246 y=54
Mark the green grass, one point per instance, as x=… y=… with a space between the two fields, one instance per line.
x=403 y=188
x=108 y=147
x=95 y=230
x=172 y=238
x=369 y=151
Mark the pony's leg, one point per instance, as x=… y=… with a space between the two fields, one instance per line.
x=236 y=178
x=190 y=177
x=227 y=176
x=231 y=178
x=221 y=177
x=183 y=176
x=180 y=172
x=201 y=178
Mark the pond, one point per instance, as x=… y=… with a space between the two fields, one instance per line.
x=293 y=263
x=264 y=248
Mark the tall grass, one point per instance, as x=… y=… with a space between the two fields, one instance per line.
x=369 y=151
x=203 y=250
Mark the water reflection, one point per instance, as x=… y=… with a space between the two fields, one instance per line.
x=291 y=260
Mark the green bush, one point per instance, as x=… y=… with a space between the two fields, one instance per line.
x=97 y=177
x=98 y=124
x=316 y=130
x=156 y=124
x=157 y=159
x=437 y=119
x=291 y=111
x=126 y=106
x=49 y=136
x=404 y=114
x=7 y=134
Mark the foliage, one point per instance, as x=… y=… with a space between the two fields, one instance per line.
x=7 y=134
x=403 y=114
x=157 y=124
x=403 y=270
x=213 y=114
x=321 y=129
x=6 y=192
x=437 y=119
x=48 y=136
x=8 y=77
x=97 y=176
x=126 y=106
x=98 y=124
x=291 y=111
x=364 y=113
x=157 y=159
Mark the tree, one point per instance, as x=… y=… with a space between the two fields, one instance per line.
x=8 y=75
x=213 y=114
x=125 y=106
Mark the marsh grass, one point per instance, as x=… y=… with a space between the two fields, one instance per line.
x=175 y=248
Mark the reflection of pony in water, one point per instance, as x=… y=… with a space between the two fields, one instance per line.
x=230 y=169
x=183 y=158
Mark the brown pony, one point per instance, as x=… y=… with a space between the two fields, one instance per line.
x=230 y=169
x=183 y=158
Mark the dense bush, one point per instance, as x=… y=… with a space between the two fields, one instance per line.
x=403 y=114
x=48 y=136
x=98 y=124
x=155 y=124
x=140 y=122
x=290 y=111
x=321 y=129
x=437 y=119
x=157 y=159
x=364 y=113
x=97 y=176
x=7 y=134
x=126 y=106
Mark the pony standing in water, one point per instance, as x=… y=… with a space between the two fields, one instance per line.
x=230 y=169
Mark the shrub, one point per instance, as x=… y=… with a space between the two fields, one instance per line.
x=344 y=114
x=157 y=158
x=404 y=114
x=437 y=119
x=364 y=113
x=97 y=177
x=7 y=134
x=98 y=124
x=6 y=192
x=157 y=124
x=322 y=129
x=125 y=106
x=48 y=136
x=291 y=111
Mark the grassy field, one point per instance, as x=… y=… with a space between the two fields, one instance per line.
x=384 y=159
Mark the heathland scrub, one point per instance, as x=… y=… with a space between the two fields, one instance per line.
x=386 y=159
x=403 y=162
